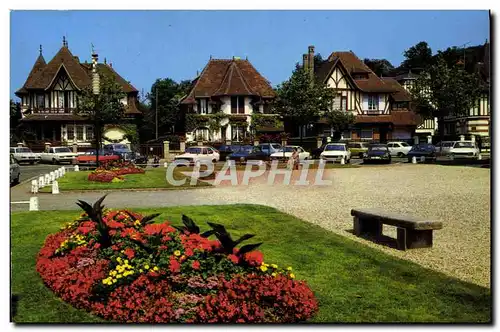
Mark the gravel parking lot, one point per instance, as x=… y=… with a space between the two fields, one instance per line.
x=458 y=196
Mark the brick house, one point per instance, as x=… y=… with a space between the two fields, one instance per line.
x=233 y=90
x=49 y=98
x=381 y=105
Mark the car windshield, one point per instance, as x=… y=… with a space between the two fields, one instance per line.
x=193 y=150
x=62 y=150
x=288 y=149
x=23 y=150
x=335 y=147
x=276 y=146
x=464 y=145
x=245 y=148
x=378 y=148
x=405 y=144
x=426 y=147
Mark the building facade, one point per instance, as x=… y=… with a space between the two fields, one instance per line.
x=223 y=99
x=49 y=99
x=381 y=106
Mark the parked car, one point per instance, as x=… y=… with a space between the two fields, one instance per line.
x=120 y=149
x=285 y=153
x=464 y=150
x=270 y=148
x=196 y=154
x=316 y=153
x=358 y=149
x=443 y=148
x=15 y=171
x=399 y=149
x=24 y=155
x=58 y=154
x=425 y=150
x=377 y=152
x=335 y=152
x=226 y=150
x=89 y=157
x=249 y=153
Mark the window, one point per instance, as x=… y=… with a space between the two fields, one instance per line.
x=346 y=134
x=373 y=102
x=40 y=101
x=238 y=105
x=203 y=106
x=79 y=133
x=71 y=132
x=366 y=134
x=238 y=133
x=343 y=103
x=90 y=133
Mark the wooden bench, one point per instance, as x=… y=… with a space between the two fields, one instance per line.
x=412 y=232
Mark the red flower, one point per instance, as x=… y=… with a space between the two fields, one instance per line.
x=175 y=266
x=196 y=265
x=254 y=258
x=189 y=252
x=114 y=247
x=97 y=245
x=233 y=258
x=129 y=253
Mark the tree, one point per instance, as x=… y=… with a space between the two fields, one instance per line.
x=15 y=117
x=102 y=109
x=444 y=90
x=339 y=120
x=418 y=56
x=300 y=100
x=381 y=67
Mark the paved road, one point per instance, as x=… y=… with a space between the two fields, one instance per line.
x=31 y=171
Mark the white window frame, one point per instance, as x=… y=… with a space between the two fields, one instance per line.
x=373 y=102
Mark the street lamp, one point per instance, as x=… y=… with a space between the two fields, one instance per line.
x=95 y=91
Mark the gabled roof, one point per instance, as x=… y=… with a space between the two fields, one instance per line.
x=353 y=65
x=79 y=73
x=37 y=67
x=407 y=76
x=401 y=94
x=227 y=77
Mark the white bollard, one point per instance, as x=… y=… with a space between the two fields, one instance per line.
x=56 y=174
x=77 y=169
x=34 y=186
x=47 y=179
x=34 y=203
x=41 y=182
x=342 y=162
x=165 y=165
x=413 y=160
x=479 y=157
x=55 y=187
x=63 y=169
x=52 y=176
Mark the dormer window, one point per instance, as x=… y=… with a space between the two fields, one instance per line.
x=360 y=76
x=203 y=105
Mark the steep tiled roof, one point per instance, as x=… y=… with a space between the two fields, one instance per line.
x=401 y=94
x=406 y=76
x=37 y=67
x=229 y=77
x=79 y=73
x=352 y=64
x=399 y=118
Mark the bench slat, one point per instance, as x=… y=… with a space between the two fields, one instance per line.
x=394 y=219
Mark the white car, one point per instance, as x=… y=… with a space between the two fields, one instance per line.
x=335 y=152
x=58 y=154
x=15 y=171
x=443 y=148
x=24 y=155
x=399 y=149
x=196 y=154
x=464 y=149
x=285 y=153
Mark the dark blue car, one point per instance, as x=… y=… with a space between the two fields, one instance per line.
x=248 y=152
x=425 y=150
x=377 y=153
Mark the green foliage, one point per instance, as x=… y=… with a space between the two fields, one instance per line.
x=300 y=100
x=339 y=120
x=444 y=90
x=191 y=227
x=265 y=120
x=418 y=56
x=228 y=244
x=381 y=67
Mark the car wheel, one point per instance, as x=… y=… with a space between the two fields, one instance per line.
x=54 y=161
x=32 y=162
x=360 y=155
x=16 y=180
x=401 y=154
x=214 y=161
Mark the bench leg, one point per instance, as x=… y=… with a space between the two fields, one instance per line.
x=418 y=239
x=401 y=239
x=367 y=226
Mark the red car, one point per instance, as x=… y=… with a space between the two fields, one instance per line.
x=89 y=157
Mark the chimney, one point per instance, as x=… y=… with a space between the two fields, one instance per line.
x=311 y=61
x=95 y=75
x=305 y=61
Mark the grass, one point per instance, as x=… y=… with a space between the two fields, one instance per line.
x=353 y=282
x=153 y=178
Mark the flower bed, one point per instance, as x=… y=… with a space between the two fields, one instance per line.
x=113 y=170
x=124 y=268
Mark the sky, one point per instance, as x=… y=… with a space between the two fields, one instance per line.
x=146 y=45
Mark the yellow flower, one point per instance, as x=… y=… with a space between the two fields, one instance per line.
x=114 y=280
x=274 y=266
x=263 y=268
x=113 y=273
x=105 y=281
x=126 y=261
x=289 y=268
x=177 y=253
x=118 y=276
x=292 y=275
x=273 y=274
x=141 y=270
x=155 y=268
x=146 y=267
x=118 y=259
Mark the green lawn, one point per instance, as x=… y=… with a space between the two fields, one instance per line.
x=353 y=282
x=153 y=178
